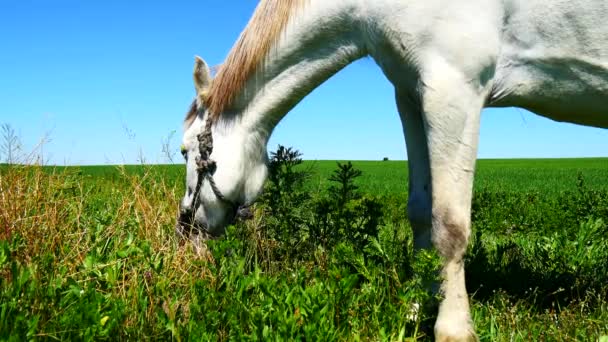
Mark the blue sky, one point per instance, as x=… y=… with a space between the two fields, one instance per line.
x=108 y=81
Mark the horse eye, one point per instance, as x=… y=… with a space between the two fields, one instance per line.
x=184 y=151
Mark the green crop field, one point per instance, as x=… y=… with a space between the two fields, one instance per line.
x=520 y=175
x=390 y=177
x=89 y=253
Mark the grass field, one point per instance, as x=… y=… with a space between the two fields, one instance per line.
x=390 y=177
x=541 y=175
x=89 y=253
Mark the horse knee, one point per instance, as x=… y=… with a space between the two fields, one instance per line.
x=419 y=210
x=451 y=231
x=419 y=214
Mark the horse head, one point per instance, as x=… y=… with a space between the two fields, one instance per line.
x=225 y=164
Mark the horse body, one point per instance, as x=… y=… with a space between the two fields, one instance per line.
x=550 y=57
x=447 y=60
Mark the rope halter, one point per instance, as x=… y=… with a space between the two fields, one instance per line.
x=205 y=167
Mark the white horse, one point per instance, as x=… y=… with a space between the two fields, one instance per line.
x=447 y=61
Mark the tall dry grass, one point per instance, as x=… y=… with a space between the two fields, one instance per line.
x=64 y=225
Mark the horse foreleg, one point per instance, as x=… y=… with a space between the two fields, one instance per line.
x=419 y=198
x=442 y=134
x=451 y=110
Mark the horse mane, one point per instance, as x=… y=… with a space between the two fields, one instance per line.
x=248 y=53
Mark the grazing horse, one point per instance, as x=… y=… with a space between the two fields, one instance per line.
x=447 y=61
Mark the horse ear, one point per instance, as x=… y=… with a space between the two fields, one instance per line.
x=202 y=76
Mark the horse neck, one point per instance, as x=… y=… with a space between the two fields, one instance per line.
x=320 y=39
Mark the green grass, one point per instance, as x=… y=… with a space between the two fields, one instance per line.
x=89 y=253
x=519 y=175
x=391 y=177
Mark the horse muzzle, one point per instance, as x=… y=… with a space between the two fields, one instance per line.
x=187 y=224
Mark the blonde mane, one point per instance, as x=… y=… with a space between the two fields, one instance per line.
x=253 y=45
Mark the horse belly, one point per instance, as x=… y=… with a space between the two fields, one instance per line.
x=554 y=60
x=570 y=92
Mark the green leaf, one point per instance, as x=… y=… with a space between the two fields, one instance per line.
x=5 y=252
x=89 y=262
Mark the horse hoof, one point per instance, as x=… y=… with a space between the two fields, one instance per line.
x=454 y=333
x=467 y=337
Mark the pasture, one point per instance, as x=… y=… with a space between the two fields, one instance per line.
x=90 y=253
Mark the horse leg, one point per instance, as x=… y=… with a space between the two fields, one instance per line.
x=443 y=130
x=419 y=199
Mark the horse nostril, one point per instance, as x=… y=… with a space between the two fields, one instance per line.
x=244 y=213
x=185 y=215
